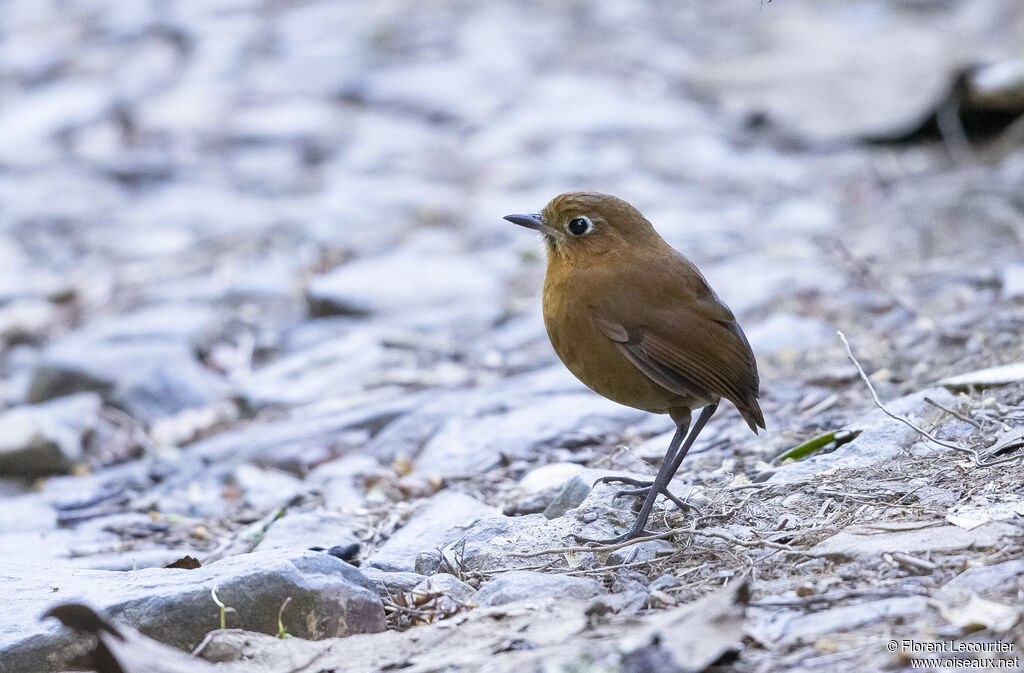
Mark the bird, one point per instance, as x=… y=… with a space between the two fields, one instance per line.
x=635 y=321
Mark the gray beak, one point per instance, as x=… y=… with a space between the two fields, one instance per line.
x=532 y=221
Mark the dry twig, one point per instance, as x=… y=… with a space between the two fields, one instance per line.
x=906 y=421
x=750 y=544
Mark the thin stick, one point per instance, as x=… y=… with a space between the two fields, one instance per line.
x=607 y=547
x=661 y=536
x=953 y=412
x=906 y=421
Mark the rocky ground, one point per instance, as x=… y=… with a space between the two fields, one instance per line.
x=258 y=308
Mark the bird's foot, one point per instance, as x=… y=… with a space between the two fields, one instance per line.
x=643 y=490
x=625 y=537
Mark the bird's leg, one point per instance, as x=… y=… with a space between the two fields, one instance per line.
x=676 y=461
x=673 y=459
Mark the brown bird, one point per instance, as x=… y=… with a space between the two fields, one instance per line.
x=636 y=322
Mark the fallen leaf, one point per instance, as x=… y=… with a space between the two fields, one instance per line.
x=121 y=649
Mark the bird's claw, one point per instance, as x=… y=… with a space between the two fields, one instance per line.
x=644 y=490
x=613 y=479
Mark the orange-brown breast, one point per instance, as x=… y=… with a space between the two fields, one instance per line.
x=586 y=351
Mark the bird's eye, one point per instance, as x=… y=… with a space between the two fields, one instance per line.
x=580 y=225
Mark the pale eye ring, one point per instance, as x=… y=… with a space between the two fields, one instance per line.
x=581 y=225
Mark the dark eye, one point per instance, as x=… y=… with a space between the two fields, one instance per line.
x=580 y=225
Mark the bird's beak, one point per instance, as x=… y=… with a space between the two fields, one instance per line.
x=532 y=221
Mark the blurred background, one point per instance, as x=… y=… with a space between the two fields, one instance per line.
x=222 y=212
x=253 y=271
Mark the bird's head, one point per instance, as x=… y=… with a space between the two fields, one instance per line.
x=578 y=225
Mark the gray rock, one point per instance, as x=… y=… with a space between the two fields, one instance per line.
x=147 y=379
x=303 y=530
x=392 y=583
x=442 y=518
x=330 y=598
x=263 y=488
x=569 y=497
x=47 y=437
x=164 y=388
x=792 y=626
x=330 y=369
x=519 y=585
x=369 y=286
x=143 y=362
x=486 y=545
x=343 y=482
x=982 y=578
x=1013 y=280
x=26 y=320
x=691 y=637
x=643 y=551
x=882 y=438
x=993 y=376
x=432 y=410
x=856 y=542
x=473 y=443
x=428 y=562
x=107 y=641
x=457 y=595
x=28 y=512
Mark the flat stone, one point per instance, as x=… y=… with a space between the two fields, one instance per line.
x=143 y=362
x=26 y=512
x=442 y=518
x=1013 y=280
x=264 y=488
x=881 y=438
x=149 y=379
x=486 y=545
x=432 y=410
x=368 y=286
x=456 y=594
x=983 y=578
x=640 y=552
x=569 y=497
x=474 y=443
x=993 y=376
x=343 y=481
x=791 y=626
x=392 y=583
x=771 y=77
x=302 y=530
x=48 y=437
x=26 y=320
x=691 y=637
x=329 y=369
x=518 y=585
x=861 y=542
x=330 y=598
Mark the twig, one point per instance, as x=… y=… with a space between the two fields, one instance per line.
x=906 y=421
x=607 y=547
x=660 y=536
x=908 y=561
x=953 y=412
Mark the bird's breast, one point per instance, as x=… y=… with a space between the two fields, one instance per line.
x=594 y=358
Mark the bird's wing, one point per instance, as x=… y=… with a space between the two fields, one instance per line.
x=683 y=338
